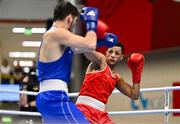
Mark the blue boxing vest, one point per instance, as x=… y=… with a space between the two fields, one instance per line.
x=58 y=69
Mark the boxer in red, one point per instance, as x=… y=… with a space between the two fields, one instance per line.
x=101 y=79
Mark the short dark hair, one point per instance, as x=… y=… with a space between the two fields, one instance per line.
x=120 y=45
x=63 y=9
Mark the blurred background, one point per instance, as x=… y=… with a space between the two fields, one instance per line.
x=151 y=27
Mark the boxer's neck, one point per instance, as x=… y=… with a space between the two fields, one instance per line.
x=59 y=24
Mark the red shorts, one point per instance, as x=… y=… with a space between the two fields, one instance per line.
x=95 y=116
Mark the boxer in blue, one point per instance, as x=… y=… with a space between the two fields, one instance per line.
x=55 y=59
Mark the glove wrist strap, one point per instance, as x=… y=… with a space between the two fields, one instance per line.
x=136 y=77
x=91 y=26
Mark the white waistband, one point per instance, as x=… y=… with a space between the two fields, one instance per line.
x=91 y=102
x=53 y=84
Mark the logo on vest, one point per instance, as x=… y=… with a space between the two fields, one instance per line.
x=70 y=52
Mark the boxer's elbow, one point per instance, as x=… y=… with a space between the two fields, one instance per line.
x=90 y=47
x=91 y=44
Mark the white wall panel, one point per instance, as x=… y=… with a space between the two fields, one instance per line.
x=26 y=9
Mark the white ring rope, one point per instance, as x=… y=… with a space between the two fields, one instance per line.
x=9 y=112
x=20 y=92
x=140 y=112
x=166 y=109
x=114 y=92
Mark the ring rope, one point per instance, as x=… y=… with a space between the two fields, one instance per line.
x=139 y=112
x=114 y=92
x=166 y=109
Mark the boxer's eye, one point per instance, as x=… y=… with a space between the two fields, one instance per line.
x=110 y=51
x=117 y=53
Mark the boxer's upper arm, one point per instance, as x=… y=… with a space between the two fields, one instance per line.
x=65 y=37
x=97 y=58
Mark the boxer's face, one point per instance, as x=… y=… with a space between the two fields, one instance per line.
x=114 y=55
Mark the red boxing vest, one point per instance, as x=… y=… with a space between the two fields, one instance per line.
x=99 y=85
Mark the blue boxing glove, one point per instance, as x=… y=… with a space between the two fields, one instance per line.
x=109 y=41
x=90 y=16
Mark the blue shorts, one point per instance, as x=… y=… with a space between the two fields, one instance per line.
x=56 y=107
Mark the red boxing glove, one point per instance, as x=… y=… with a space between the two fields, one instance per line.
x=136 y=63
x=102 y=29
